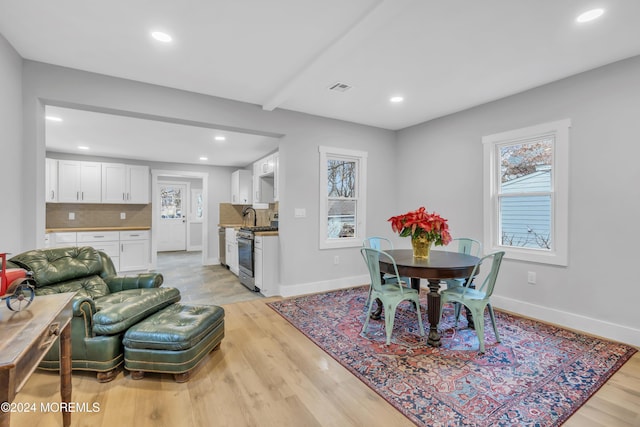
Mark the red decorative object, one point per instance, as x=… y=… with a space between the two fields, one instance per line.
x=420 y=223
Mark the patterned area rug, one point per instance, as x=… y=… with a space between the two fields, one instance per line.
x=537 y=376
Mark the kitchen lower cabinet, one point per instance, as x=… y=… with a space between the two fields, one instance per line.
x=134 y=250
x=105 y=241
x=129 y=250
x=232 y=250
x=61 y=239
x=267 y=264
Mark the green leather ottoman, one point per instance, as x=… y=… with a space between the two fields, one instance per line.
x=173 y=340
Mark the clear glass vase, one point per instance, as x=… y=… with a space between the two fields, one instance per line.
x=421 y=247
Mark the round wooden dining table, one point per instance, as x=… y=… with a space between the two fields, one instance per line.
x=439 y=266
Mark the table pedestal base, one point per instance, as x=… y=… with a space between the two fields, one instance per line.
x=433 y=302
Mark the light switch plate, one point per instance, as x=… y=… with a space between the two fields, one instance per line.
x=300 y=212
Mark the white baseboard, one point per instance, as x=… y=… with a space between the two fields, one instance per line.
x=324 y=286
x=578 y=322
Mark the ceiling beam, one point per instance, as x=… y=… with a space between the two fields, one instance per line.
x=382 y=12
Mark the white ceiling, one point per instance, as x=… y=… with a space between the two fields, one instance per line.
x=442 y=56
x=110 y=135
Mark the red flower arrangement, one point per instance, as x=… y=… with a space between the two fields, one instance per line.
x=420 y=223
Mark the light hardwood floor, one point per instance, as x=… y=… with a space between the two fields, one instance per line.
x=265 y=373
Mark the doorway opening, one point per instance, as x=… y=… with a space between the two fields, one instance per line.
x=179 y=213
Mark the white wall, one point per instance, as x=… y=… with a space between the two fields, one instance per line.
x=304 y=267
x=11 y=172
x=440 y=164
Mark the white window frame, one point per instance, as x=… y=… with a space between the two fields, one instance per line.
x=558 y=254
x=360 y=157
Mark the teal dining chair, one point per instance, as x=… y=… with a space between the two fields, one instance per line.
x=381 y=244
x=476 y=300
x=463 y=245
x=391 y=294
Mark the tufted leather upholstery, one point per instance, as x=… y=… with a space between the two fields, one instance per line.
x=178 y=327
x=173 y=340
x=104 y=305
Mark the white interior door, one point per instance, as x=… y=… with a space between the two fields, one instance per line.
x=172 y=225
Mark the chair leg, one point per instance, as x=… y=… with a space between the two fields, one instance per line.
x=417 y=306
x=369 y=300
x=389 y=318
x=456 y=309
x=478 y=318
x=368 y=315
x=493 y=321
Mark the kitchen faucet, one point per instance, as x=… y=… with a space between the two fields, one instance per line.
x=245 y=212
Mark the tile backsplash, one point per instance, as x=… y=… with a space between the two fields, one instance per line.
x=232 y=214
x=97 y=215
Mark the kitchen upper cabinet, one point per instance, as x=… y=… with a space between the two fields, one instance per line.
x=125 y=183
x=276 y=175
x=241 y=187
x=266 y=165
x=51 y=180
x=113 y=183
x=79 y=182
x=137 y=184
x=265 y=180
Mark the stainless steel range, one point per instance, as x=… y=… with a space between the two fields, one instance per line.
x=246 y=259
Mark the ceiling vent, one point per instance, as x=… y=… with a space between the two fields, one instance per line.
x=340 y=87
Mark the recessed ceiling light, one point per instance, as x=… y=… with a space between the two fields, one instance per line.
x=53 y=118
x=204 y=158
x=220 y=138
x=589 y=15
x=396 y=99
x=161 y=37
x=82 y=147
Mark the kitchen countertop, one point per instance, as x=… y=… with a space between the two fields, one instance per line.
x=71 y=229
x=266 y=233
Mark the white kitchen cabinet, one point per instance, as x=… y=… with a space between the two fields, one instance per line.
x=137 y=184
x=79 y=182
x=125 y=183
x=129 y=250
x=267 y=264
x=241 y=187
x=62 y=239
x=105 y=241
x=256 y=182
x=266 y=165
x=134 y=250
x=276 y=176
x=232 y=250
x=113 y=183
x=51 y=180
x=264 y=181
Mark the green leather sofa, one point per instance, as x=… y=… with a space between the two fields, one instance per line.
x=104 y=307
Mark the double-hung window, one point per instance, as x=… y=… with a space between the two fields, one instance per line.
x=342 y=197
x=526 y=192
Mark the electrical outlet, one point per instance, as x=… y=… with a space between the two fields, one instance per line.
x=336 y=260
x=123 y=215
x=72 y=216
x=531 y=277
